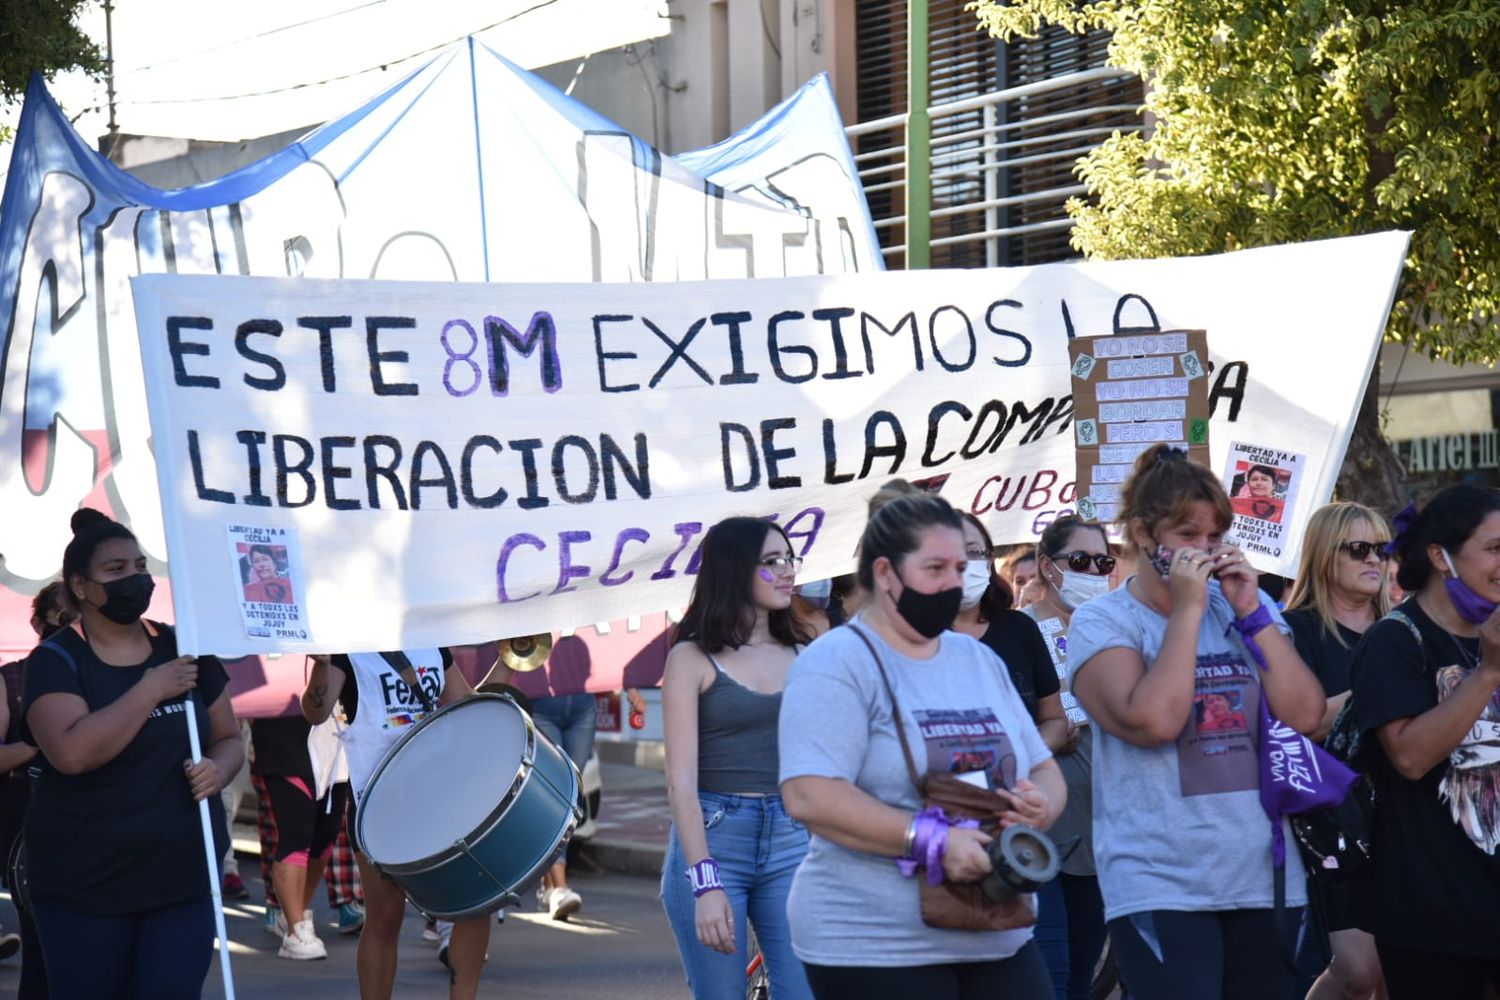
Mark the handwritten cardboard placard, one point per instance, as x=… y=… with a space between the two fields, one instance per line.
x=1131 y=392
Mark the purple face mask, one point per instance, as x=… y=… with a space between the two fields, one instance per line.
x=1470 y=606
x=1161 y=560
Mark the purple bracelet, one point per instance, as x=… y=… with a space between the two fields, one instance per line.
x=1248 y=626
x=929 y=842
x=704 y=877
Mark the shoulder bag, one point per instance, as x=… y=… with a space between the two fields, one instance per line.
x=955 y=905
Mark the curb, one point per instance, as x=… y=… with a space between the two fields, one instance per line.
x=648 y=754
x=624 y=857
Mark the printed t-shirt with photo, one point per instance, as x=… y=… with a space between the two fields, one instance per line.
x=1436 y=877
x=961 y=713
x=1180 y=826
x=383 y=705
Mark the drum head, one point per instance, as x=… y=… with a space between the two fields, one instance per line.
x=443 y=782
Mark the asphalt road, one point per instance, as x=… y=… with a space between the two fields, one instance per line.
x=618 y=946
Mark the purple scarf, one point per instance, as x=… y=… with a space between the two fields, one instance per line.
x=1296 y=776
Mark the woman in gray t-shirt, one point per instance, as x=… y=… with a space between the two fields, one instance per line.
x=1181 y=841
x=855 y=918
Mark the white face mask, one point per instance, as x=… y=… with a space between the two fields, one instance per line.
x=976 y=582
x=1076 y=588
x=816 y=593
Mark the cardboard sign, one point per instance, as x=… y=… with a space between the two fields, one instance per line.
x=1130 y=393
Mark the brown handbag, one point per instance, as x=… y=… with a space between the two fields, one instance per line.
x=955 y=905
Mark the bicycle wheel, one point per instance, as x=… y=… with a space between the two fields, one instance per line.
x=757 y=981
x=1106 y=975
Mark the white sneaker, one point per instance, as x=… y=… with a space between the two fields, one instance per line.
x=303 y=943
x=430 y=931
x=563 y=902
x=275 y=922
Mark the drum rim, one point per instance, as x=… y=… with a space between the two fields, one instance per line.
x=424 y=865
x=523 y=771
x=510 y=898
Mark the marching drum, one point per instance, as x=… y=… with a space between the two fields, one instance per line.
x=469 y=807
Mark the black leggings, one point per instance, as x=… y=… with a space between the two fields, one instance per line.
x=160 y=954
x=1223 y=955
x=1418 y=975
x=1023 y=976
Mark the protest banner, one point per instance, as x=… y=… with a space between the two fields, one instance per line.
x=463 y=462
x=467 y=169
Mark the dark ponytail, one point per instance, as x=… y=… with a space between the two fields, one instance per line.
x=1448 y=519
x=896 y=525
x=1162 y=488
x=90 y=530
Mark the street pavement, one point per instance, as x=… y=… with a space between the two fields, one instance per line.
x=617 y=946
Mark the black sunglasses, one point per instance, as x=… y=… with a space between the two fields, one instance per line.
x=1360 y=551
x=1079 y=561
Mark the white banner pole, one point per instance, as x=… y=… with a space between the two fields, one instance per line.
x=195 y=747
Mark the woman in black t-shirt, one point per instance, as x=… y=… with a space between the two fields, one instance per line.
x=119 y=883
x=1340 y=592
x=1425 y=681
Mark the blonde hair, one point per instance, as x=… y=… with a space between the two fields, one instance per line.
x=1327 y=530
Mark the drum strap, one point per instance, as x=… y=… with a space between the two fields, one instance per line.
x=401 y=663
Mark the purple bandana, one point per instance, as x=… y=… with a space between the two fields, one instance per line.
x=1296 y=776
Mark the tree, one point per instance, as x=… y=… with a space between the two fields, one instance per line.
x=41 y=35
x=1291 y=120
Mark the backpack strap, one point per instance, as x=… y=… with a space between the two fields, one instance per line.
x=57 y=648
x=1396 y=614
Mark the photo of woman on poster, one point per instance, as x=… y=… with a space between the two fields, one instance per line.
x=267 y=581
x=1260 y=492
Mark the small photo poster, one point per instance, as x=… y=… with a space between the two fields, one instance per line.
x=1262 y=483
x=1056 y=635
x=267 y=567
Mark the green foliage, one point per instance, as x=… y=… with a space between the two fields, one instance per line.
x=1292 y=120
x=41 y=34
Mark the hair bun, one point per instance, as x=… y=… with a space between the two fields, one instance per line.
x=87 y=517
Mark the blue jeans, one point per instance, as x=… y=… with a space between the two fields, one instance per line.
x=158 y=955
x=568 y=720
x=758 y=848
x=1070 y=932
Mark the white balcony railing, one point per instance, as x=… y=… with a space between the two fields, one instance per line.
x=981 y=154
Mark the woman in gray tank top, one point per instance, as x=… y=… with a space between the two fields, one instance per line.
x=733 y=849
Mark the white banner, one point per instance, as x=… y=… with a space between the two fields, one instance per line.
x=455 y=463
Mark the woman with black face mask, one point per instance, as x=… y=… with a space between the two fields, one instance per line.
x=118 y=878
x=854 y=907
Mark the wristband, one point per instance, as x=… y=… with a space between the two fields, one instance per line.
x=704 y=877
x=1248 y=626
x=928 y=835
